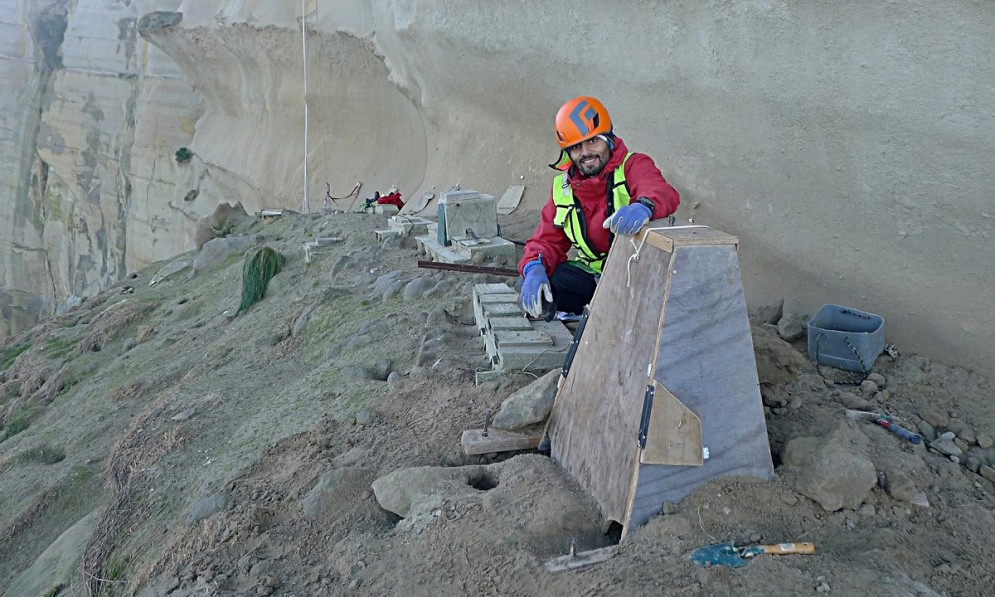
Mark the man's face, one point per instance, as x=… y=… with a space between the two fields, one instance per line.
x=590 y=156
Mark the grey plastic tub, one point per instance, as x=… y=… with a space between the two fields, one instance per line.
x=845 y=338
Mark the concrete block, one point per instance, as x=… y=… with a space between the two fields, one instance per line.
x=469 y=214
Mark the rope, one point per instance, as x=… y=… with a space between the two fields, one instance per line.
x=328 y=194
x=642 y=241
x=304 y=203
x=855 y=380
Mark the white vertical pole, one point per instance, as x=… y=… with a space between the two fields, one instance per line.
x=304 y=205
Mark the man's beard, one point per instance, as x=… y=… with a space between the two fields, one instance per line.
x=591 y=168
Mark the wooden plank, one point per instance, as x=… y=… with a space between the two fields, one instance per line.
x=507 y=339
x=510 y=200
x=674 y=434
x=595 y=419
x=581 y=559
x=498 y=440
x=668 y=238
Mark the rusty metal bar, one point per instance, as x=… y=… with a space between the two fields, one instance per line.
x=469 y=269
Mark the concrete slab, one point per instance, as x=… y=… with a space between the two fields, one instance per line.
x=469 y=214
x=510 y=200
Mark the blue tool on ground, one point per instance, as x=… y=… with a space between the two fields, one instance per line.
x=730 y=556
x=885 y=421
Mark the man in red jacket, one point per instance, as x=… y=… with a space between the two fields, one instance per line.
x=603 y=190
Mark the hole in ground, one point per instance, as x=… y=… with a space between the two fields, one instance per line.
x=484 y=481
x=614 y=532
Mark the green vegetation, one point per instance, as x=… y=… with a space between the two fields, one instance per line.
x=183 y=155
x=259 y=269
x=9 y=354
x=59 y=348
x=54 y=591
x=115 y=569
x=18 y=423
x=44 y=454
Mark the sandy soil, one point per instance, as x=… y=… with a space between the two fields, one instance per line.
x=199 y=442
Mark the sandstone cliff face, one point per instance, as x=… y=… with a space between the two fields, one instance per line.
x=847 y=148
x=92 y=117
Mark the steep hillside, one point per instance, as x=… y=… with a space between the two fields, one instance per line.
x=848 y=144
x=153 y=445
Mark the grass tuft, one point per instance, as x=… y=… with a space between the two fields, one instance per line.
x=10 y=354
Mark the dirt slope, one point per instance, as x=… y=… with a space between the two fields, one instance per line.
x=236 y=456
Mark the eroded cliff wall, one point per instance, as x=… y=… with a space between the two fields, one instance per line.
x=847 y=144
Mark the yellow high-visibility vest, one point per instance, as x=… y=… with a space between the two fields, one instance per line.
x=570 y=217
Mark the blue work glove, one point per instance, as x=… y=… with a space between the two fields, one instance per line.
x=535 y=287
x=628 y=219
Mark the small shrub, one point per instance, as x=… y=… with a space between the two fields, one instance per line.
x=183 y=155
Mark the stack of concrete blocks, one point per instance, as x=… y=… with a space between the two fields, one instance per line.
x=469 y=221
x=381 y=209
x=401 y=225
x=513 y=342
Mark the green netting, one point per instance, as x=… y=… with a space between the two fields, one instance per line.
x=259 y=269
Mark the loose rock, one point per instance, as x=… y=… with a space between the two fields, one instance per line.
x=416 y=288
x=207 y=507
x=528 y=405
x=936 y=418
x=831 y=469
x=946 y=446
x=868 y=387
x=985 y=441
x=987 y=472
x=791 y=327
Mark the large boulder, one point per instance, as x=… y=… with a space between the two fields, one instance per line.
x=408 y=490
x=217 y=250
x=832 y=470
x=219 y=223
x=528 y=405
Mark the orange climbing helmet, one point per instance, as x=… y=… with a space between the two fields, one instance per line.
x=580 y=119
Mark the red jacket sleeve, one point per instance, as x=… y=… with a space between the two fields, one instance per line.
x=547 y=240
x=645 y=180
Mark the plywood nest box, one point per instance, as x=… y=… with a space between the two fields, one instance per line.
x=662 y=394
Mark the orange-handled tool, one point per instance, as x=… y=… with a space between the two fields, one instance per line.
x=778 y=549
x=727 y=554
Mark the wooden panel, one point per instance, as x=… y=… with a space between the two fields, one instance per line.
x=674 y=434
x=705 y=356
x=497 y=440
x=595 y=420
